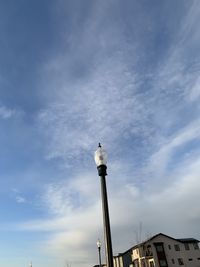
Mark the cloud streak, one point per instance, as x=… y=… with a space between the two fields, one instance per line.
x=7 y=113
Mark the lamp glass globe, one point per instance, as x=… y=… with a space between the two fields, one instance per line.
x=100 y=156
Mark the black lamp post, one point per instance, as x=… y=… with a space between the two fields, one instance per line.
x=101 y=160
x=99 y=250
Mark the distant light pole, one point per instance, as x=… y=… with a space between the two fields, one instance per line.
x=99 y=250
x=101 y=160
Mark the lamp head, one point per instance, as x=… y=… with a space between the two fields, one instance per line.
x=98 y=243
x=100 y=156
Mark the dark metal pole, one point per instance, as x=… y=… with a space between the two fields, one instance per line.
x=106 y=220
x=99 y=249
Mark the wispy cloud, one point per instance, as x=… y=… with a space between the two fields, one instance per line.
x=108 y=103
x=161 y=158
x=20 y=199
x=7 y=113
x=18 y=196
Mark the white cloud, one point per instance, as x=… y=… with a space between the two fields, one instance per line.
x=195 y=90
x=106 y=108
x=6 y=113
x=18 y=196
x=20 y=199
x=73 y=195
x=160 y=158
x=108 y=105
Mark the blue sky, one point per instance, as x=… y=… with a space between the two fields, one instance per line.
x=75 y=73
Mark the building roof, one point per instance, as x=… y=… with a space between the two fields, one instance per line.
x=125 y=252
x=182 y=240
x=188 y=240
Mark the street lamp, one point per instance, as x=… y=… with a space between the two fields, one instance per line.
x=101 y=160
x=99 y=250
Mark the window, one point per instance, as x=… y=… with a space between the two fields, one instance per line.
x=148 y=251
x=180 y=261
x=198 y=258
x=136 y=263
x=159 y=248
x=169 y=246
x=173 y=261
x=190 y=259
x=187 y=246
x=163 y=263
x=177 y=248
x=195 y=245
x=151 y=264
x=143 y=264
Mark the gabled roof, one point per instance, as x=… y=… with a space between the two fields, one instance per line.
x=188 y=240
x=182 y=240
x=123 y=253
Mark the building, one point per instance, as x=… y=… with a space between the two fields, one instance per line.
x=165 y=251
x=123 y=259
x=161 y=251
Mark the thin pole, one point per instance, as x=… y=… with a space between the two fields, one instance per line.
x=99 y=249
x=106 y=220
